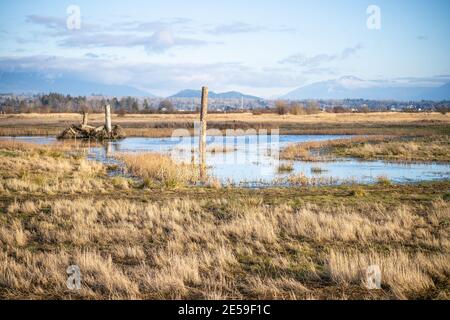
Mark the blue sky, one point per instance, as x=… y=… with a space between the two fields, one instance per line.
x=259 y=47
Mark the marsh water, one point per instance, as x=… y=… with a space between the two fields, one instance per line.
x=254 y=160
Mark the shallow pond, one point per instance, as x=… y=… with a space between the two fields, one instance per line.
x=254 y=161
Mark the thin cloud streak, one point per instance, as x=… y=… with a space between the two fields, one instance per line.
x=242 y=27
x=318 y=60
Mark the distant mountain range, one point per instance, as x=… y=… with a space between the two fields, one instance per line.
x=350 y=87
x=225 y=95
x=30 y=82
x=35 y=83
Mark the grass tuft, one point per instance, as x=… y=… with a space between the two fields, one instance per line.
x=384 y=181
x=285 y=167
x=158 y=170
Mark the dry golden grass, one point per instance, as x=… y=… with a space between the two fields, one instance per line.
x=186 y=249
x=434 y=148
x=162 y=125
x=402 y=273
x=37 y=169
x=383 y=180
x=160 y=170
x=319 y=117
x=300 y=179
x=318 y=150
x=431 y=148
x=285 y=167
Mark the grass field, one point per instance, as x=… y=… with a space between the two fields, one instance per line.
x=160 y=125
x=434 y=148
x=148 y=239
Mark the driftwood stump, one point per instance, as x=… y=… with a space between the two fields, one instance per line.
x=85 y=131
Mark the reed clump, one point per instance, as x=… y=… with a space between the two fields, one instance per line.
x=285 y=167
x=157 y=170
x=383 y=180
x=317 y=170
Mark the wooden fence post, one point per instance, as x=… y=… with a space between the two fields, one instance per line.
x=108 y=118
x=85 y=118
x=202 y=138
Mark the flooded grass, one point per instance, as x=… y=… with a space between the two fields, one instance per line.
x=384 y=181
x=220 y=149
x=317 y=170
x=320 y=150
x=388 y=148
x=248 y=163
x=286 y=167
x=160 y=170
x=301 y=179
x=433 y=148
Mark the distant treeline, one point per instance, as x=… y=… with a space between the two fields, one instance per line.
x=58 y=103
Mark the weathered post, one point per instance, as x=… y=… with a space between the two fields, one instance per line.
x=108 y=118
x=85 y=118
x=202 y=138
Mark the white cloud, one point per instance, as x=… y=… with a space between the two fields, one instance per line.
x=242 y=27
x=156 y=77
x=165 y=79
x=318 y=60
x=153 y=36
